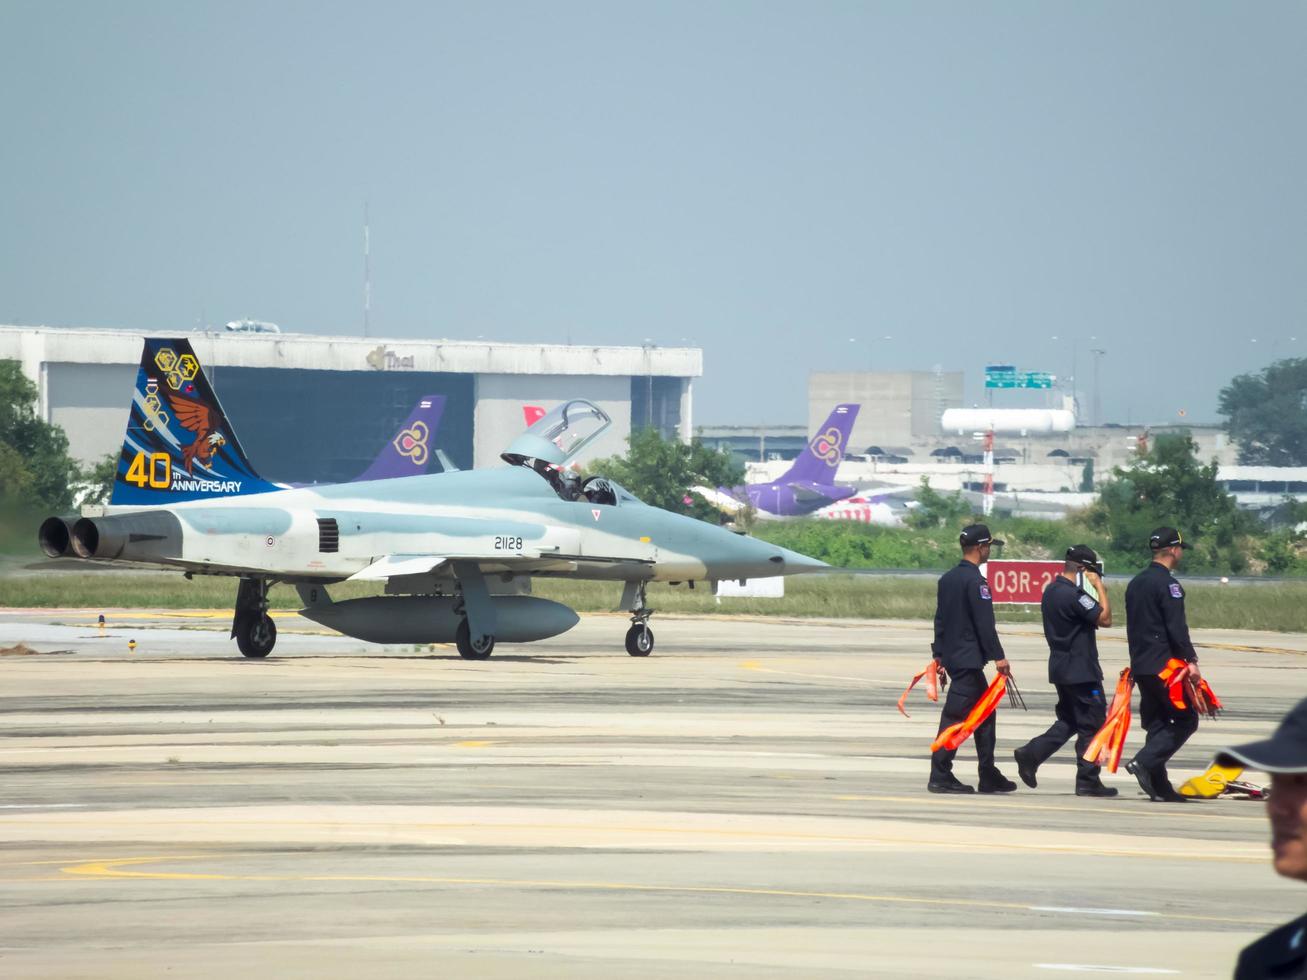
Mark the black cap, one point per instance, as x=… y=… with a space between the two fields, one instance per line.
x=1283 y=752
x=976 y=534
x=1166 y=537
x=1083 y=554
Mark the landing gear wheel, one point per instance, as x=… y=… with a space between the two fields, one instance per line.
x=639 y=640
x=469 y=650
x=258 y=637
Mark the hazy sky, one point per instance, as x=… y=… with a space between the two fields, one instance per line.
x=764 y=180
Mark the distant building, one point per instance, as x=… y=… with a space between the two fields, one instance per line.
x=755 y=443
x=312 y=408
x=899 y=408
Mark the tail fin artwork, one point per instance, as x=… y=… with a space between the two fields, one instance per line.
x=410 y=451
x=179 y=445
x=821 y=459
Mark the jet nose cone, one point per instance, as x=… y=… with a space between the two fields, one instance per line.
x=795 y=563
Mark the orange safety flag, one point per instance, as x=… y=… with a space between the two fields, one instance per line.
x=1106 y=746
x=955 y=735
x=932 y=674
x=1184 y=691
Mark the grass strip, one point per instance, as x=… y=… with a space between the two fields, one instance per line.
x=1280 y=607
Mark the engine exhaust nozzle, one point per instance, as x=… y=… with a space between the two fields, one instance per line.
x=55 y=536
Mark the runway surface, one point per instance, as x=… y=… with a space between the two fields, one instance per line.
x=746 y=802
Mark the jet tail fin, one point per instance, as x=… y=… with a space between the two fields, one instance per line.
x=821 y=458
x=410 y=451
x=179 y=445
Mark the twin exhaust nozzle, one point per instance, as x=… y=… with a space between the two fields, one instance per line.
x=138 y=536
x=62 y=537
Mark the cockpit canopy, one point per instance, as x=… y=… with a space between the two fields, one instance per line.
x=603 y=491
x=559 y=434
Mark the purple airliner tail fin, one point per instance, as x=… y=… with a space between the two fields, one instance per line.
x=410 y=450
x=821 y=459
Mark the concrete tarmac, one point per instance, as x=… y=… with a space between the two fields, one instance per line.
x=746 y=802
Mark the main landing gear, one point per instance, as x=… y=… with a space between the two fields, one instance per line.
x=475 y=637
x=470 y=649
x=253 y=629
x=639 y=638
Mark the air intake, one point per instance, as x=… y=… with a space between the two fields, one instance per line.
x=328 y=535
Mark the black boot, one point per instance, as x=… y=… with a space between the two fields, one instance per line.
x=1026 y=766
x=1145 y=779
x=1095 y=789
x=994 y=781
x=948 y=783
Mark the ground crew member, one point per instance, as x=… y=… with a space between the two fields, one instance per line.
x=1072 y=618
x=1282 y=953
x=965 y=640
x=1157 y=632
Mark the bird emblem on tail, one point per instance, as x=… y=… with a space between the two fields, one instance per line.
x=196 y=417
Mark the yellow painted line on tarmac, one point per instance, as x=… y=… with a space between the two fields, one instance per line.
x=473 y=743
x=1204 y=811
x=116 y=868
x=591 y=830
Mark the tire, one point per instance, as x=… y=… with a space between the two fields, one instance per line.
x=258 y=637
x=639 y=641
x=463 y=640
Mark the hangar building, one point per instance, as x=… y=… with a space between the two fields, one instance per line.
x=312 y=408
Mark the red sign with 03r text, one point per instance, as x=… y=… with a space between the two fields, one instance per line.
x=1020 y=581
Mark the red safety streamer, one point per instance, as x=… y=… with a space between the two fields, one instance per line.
x=933 y=674
x=955 y=735
x=1184 y=691
x=1107 y=745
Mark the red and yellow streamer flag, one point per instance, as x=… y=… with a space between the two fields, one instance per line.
x=955 y=735
x=1184 y=691
x=1106 y=746
x=931 y=674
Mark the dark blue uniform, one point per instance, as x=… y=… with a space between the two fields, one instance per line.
x=966 y=639
x=1157 y=631
x=1071 y=627
x=1283 y=953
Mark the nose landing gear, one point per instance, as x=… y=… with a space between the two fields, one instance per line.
x=639 y=638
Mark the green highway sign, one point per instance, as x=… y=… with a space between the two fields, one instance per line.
x=1036 y=379
x=1000 y=376
x=1007 y=376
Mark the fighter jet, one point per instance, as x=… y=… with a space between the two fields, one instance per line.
x=457 y=551
x=805 y=487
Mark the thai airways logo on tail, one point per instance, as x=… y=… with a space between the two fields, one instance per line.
x=179 y=444
x=412 y=443
x=827 y=446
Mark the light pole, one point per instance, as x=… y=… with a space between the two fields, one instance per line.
x=1098 y=353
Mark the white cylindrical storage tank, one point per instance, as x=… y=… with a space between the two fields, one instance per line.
x=1009 y=421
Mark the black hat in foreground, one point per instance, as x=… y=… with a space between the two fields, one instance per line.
x=976 y=534
x=1166 y=537
x=1086 y=556
x=1083 y=554
x=1283 y=752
